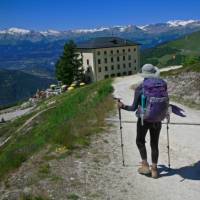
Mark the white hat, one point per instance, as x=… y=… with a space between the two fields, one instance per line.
x=148 y=70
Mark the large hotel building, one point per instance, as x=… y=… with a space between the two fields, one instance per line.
x=106 y=57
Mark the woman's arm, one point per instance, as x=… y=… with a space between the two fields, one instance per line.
x=136 y=101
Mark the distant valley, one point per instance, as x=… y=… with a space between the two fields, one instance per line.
x=36 y=52
x=28 y=57
x=16 y=85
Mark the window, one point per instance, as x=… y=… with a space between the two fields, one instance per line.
x=111 y=59
x=134 y=49
x=135 y=61
x=88 y=62
x=123 y=50
x=124 y=58
x=129 y=57
x=129 y=50
x=124 y=65
x=112 y=75
x=130 y=72
x=98 y=53
x=118 y=59
x=112 y=67
x=105 y=52
x=99 y=61
x=111 y=51
x=106 y=68
x=106 y=76
x=105 y=60
x=99 y=69
x=118 y=66
x=135 y=68
x=129 y=64
x=124 y=73
x=117 y=50
x=118 y=74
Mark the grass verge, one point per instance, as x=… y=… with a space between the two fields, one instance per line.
x=77 y=115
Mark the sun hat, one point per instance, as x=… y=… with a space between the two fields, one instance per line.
x=148 y=70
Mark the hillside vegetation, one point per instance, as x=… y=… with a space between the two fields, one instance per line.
x=64 y=122
x=16 y=85
x=175 y=52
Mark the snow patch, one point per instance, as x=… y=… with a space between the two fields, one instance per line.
x=175 y=23
x=50 y=32
x=143 y=27
x=13 y=31
x=90 y=30
x=122 y=28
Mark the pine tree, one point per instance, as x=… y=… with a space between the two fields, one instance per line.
x=69 y=66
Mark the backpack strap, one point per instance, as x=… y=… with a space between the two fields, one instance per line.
x=142 y=105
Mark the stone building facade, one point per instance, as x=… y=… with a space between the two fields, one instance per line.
x=106 y=57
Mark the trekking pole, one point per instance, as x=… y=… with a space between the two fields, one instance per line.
x=168 y=149
x=120 y=126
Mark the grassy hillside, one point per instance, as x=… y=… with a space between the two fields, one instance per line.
x=174 y=52
x=66 y=123
x=16 y=85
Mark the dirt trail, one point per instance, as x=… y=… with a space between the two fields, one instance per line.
x=183 y=181
x=96 y=173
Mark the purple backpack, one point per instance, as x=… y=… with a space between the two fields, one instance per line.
x=156 y=100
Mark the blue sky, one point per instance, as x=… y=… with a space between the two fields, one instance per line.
x=72 y=14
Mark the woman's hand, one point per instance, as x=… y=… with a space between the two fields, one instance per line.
x=120 y=104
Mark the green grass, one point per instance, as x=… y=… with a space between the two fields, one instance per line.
x=174 y=52
x=77 y=115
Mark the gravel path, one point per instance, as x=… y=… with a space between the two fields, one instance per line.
x=96 y=173
x=12 y=114
x=183 y=181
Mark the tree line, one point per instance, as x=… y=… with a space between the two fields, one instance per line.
x=69 y=66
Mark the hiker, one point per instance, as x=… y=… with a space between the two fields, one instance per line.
x=3 y=120
x=150 y=120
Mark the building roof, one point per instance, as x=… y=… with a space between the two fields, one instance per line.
x=105 y=42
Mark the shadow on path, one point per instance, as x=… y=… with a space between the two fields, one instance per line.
x=190 y=172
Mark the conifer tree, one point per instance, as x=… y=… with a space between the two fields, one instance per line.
x=69 y=66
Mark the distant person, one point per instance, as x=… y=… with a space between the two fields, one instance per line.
x=3 y=120
x=151 y=105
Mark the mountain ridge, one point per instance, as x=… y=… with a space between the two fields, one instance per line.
x=174 y=52
x=170 y=23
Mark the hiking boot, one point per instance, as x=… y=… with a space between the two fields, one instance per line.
x=144 y=169
x=154 y=172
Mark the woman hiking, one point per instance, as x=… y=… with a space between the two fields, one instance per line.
x=151 y=106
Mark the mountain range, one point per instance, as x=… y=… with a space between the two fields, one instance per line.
x=36 y=52
x=34 y=36
x=174 y=52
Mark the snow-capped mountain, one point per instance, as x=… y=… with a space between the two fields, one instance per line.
x=175 y=23
x=50 y=33
x=90 y=30
x=13 y=31
x=35 y=51
x=184 y=26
